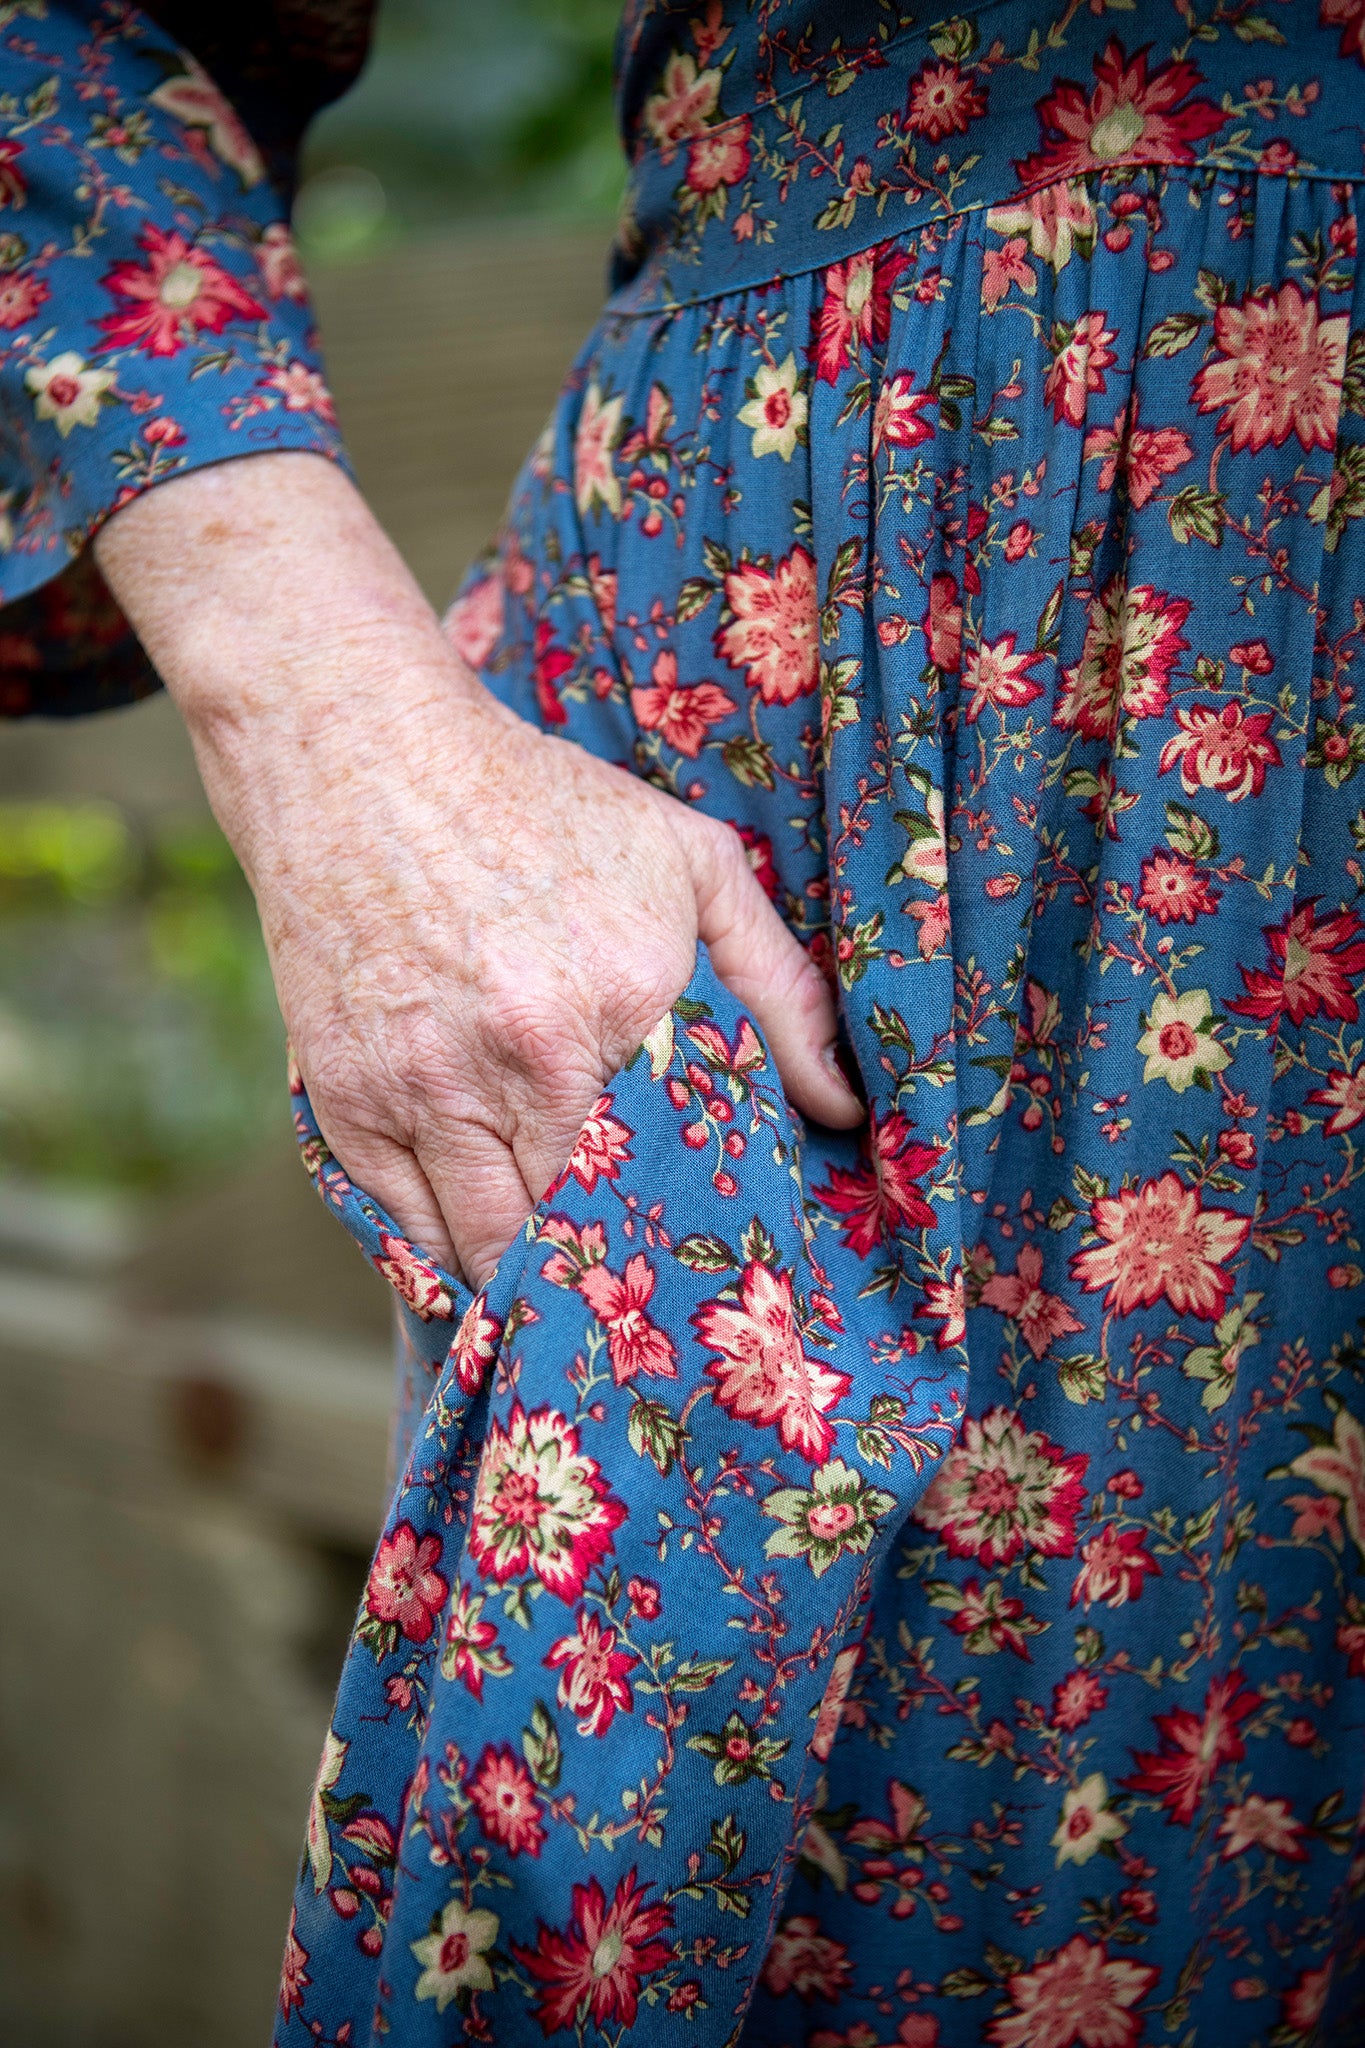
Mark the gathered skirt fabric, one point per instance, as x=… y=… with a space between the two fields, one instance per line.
x=906 y=1587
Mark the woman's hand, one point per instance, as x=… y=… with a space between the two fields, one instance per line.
x=472 y=925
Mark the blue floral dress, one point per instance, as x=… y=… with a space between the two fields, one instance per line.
x=907 y=1589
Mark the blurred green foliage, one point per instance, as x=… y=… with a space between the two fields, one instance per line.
x=466 y=112
x=139 y=1039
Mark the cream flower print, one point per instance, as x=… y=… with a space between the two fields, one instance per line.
x=194 y=100
x=319 y=1841
x=837 y=1512
x=1057 y=222
x=1336 y=1464
x=777 y=409
x=599 y=429
x=453 y=1955
x=926 y=856
x=1086 y=1823
x=1179 y=1041
x=1235 y=1332
x=68 y=392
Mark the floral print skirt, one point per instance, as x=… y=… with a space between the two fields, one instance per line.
x=906 y=1587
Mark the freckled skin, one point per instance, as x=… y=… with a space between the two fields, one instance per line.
x=472 y=924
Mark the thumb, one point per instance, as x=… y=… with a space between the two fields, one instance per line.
x=770 y=971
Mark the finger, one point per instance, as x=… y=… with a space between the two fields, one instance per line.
x=762 y=963
x=389 y=1174
x=483 y=1196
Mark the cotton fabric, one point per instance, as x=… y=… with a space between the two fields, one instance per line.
x=905 y=1587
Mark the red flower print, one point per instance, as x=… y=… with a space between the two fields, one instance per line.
x=294 y=1977
x=1003 y=1489
x=1193 y=1747
x=1254 y=656
x=1041 y=1317
x=21 y=297
x=917 y=2030
x=551 y=663
x=1129 y=117
x=277 y=259
x=802 y=1959
x=1311 y=965
x=1075 y=1698
x=1082 y=355
x=471 y=1651
x=1175 y=891
x=645 y=1598
x=634 y=1343
x=759 y=848
x=945 y=1303
x=681 y=713
x=1132 y=643
x=855 y=312
x=1159 y=1242
x=896 y=417
x=541 y=1505
x=719 y=157
x=990 y=1619
x=1115 y=1565
x=763 y=1374
x=592 y=1675
x=476 y=1346
x=683 y=105
x=1344 y=1095
x=1349 y=16
x=600 y=1150
x=882 y=1197
x=177 y=295
x=13 y=186
x=592 y=1971
x=943 y=623
x=772 y=634
x=1142 y=456
x=1258 y=1823
x=503 y=1794
x=942 y=100
x=1078 y=1997
x=301 y=389
x=410 y=1275
x=1303 y=2004
x=1000 y=268
x=404 y=1587
x=1228 y=749
x=996 y=675
x=1280 y=372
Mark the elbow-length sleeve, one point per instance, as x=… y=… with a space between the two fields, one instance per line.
x=153 y=316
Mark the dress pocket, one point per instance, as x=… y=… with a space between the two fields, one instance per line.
x=433 y=1305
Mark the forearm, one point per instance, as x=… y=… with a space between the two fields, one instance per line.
x=291 y=636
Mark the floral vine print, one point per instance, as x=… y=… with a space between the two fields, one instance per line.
x=908 y=1590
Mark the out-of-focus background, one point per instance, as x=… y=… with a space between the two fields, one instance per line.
x=194 y=1362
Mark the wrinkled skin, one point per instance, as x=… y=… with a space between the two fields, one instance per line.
x=471 y=924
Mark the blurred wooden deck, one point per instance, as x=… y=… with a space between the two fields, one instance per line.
x=445 y=362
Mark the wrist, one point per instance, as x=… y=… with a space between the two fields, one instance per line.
x=287 y=629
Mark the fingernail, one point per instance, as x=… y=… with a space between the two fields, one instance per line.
x=834 y=1058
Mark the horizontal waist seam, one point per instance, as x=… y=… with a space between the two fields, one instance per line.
x=1207 y=171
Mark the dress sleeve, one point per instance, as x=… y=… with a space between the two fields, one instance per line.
x=153 y=319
